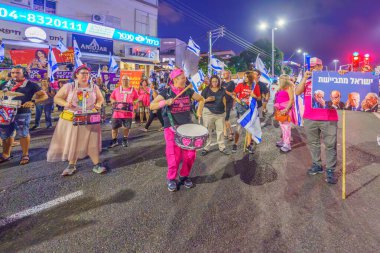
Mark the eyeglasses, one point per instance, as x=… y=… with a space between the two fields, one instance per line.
x=84 y=73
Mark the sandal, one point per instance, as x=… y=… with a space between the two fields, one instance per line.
x=24 y=160
x=3 y=159
x=70 y=170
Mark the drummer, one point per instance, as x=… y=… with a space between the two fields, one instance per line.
x=180 y=112
x=125 y=94
x=69 y=142
x=26 y=90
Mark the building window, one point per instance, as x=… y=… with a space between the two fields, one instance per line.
x=142 y=22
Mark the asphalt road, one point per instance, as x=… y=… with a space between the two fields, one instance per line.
x=241 y=203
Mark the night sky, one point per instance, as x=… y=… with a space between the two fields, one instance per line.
x=328 y=29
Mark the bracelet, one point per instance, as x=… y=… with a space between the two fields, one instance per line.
x=162 y=104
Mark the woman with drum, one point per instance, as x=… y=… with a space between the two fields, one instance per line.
x=176 y=101
x=144 y=98
x=214 y=113
x=72 y=142
x=123 y=99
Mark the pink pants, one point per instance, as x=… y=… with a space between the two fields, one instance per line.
x=286 y=129
x=174 y=156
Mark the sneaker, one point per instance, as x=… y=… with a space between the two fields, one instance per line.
x=234 y=148
x=204 y=152
x=251 y=149
x=225 y=151
x=331 y=177
x=34 y=127
x=125 y=142
x=286 y=148
x=99 y=168
x=186 y=182
x=48 y=127
x=279 y=144
x=113 y=144
x=314 y=170
x=70 y=170
x=172 y=185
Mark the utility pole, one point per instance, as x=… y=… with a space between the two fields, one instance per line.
x=213 y=34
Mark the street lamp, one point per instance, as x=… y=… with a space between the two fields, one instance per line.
x=336 y=64
x=298 y=51
x=264 y=26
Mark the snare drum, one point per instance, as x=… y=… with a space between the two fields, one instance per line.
x=8 y=111
x=122 y=107
x=191 y=136
x=90 y=118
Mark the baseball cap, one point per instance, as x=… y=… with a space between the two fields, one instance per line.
x=315 y=61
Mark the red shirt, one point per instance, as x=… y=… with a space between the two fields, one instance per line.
x=243 y=92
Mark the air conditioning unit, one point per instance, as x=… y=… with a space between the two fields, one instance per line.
x=98 y=18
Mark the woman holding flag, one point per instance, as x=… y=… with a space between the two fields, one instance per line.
x=243 y=94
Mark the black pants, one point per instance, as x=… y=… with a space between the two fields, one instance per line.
x=151 y=117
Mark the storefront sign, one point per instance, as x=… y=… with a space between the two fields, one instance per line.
x=94 y=45
x=353 y=91
x=20 y=15
x=20 y=32
x=142 y=53
x=35 y=34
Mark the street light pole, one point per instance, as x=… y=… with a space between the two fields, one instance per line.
x=336 y=64
x=273 y=51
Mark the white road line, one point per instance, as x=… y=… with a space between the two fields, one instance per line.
x=377 y=115
x=39 y=208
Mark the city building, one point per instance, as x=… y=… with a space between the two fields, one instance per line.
x=172 y=49
x=128 y=30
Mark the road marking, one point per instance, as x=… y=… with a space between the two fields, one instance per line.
x=39 y=208
x=377 y=115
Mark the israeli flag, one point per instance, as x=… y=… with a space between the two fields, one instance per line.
x=77 y=54
x=264 y=72
x=197 y=80
x=112 y=65
x=2 y=52
x=216 y=64
x=251 y=121
x=99 y=73
x=52 y=65
x=298 y=102
x=193 y=47
x=171 y=64
x=61 y=47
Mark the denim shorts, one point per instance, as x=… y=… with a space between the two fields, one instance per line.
x=20 y=125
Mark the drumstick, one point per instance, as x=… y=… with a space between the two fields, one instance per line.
x=184 y=90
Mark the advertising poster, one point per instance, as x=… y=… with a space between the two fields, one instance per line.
x=134 y=77
x=38 y=58
x=110 y=80
x=352 y=91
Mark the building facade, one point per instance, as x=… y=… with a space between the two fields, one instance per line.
x=127 y=30
x=172 y=49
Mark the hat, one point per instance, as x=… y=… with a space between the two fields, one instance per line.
x=175 y=73
x=315 y=61
x=82 y=67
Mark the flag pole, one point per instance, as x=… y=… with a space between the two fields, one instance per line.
x=344 y=155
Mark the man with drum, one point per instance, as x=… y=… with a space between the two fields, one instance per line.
x=122 y=99
x=177 y=102
x=23 y=90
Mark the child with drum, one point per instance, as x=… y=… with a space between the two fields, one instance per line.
x=122 y=99
x=71 y=139
x=176 y=103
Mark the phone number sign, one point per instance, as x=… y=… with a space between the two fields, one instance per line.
x=15 y=14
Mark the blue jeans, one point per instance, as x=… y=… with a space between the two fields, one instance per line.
x=48 y=109
x=20 y=125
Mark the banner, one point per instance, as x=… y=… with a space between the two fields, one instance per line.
x=135 y=77
x=353 y=91
x=110 y=80
x=37 y=58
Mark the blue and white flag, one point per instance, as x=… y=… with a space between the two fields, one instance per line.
x=251 y=121
x=171 y=64
x=77 y=54
x=216 y=64
x=298 y=102
x=197 y=80
x=264 y=72
x=52 y=65
x=112 y=65
x=2 y=52
x=61 y=47
x=99 y=73
x=193 y=47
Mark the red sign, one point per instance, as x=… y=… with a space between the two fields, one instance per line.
x=38 y=58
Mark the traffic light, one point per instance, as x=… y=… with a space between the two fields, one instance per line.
x=355 y=60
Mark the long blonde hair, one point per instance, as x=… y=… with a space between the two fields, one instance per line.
x=285 y=82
